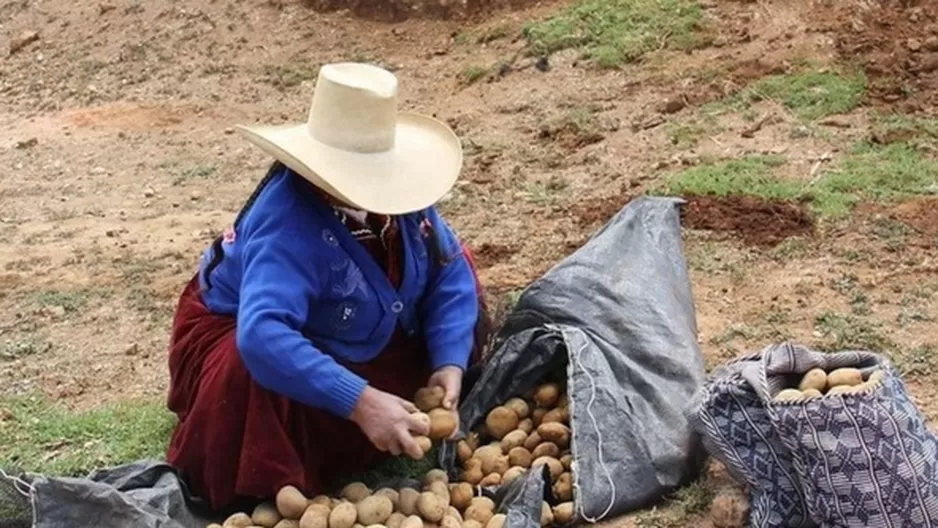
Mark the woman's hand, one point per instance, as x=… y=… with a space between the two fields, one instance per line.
x=389 y=423
x=450 y=380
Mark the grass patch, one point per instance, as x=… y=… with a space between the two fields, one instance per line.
x=472 y=74
x=394 y=469
x=686 y=502
x=616 y=32
x=847 y=332
x=874 y=172
x=871 y=172
x=750 y=175
x=195 y=172
x=41 y=436
x=810 y=95
x=687 y=135
x=70 y=301
x=891 y=128
x=919 y=361
x=12 y=350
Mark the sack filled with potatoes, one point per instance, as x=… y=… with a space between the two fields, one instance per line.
x=848 y=420
x=526 y=432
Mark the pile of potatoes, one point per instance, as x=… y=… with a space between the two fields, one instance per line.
x=817 y=383
x=520 y=434
x=439 y=504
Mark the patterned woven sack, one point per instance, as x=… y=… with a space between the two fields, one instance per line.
x=865 y=457
x=736 y=430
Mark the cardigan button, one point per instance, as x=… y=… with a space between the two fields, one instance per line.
x=397 y=307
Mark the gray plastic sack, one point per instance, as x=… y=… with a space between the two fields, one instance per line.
x=616 y=320
x=864 y=458
x=738 y=432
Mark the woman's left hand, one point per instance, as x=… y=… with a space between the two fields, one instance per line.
x=450 y=380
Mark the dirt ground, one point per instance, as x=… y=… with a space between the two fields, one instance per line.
x=121 y=166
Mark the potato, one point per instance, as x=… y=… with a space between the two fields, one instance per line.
x=493 y=479
x=547 y=515
x=450 y=522
x=498 y=465
x=480 y=514
x=520 y=407
x=512 y=474
x=291 y=503
x=490 y=456
x=554 y=432
x=392 y=494
x=435 y=475
x=501 y=421
x=317 y=516
x=815 y=378
x=787 y=395
x=431 y=507
x=356 y=525
x=556 y=416
x=513 y=439
x=442 y=424
x=483 y=502
x=424 y=443
x=395 y=520
x=520 y=456
x=337 y=501
x=407 y=501
x=563 y=513
x=533 y=441
x=460 y=495
x=288 y=523
x=376 y=526
x=473 y=463
x=497 y=521
x=214 y=525
x=266 y=515
x=321 y=499
x=429 y=398
x=355 y=492
x=412 y=522
x=547 y=394
x=374 y=510
x=554 y=465
x=238 y=520
x=563 y=487
x=463 y=451
x=473 y=440
x=526 y=425
x=454 y=513
x=844 y=376
x=537 y=416
x=473 y=476
x=812 y=393
x=546 y=449
x=472 y=524
x=343 y=516
x=440 y=489
x=567 y=461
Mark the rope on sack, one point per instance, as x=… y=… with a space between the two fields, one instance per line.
x=599 y=438
x=21 y=486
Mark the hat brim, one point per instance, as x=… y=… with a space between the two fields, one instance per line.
x=421 y=168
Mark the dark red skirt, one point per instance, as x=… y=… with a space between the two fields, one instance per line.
x=236 y=440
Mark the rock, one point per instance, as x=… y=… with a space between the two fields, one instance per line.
x=56 y=312
x=27 y=143
x=132 y=350
x=229 y=131
x=195 y=197
x=931 y=43
x=25 y=39
x=149 y=193
x=99 y=171
x=674 y=105
x=914 y=44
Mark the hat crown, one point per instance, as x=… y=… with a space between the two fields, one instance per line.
x=354 y=108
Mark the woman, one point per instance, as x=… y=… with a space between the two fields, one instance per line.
x=337 y=294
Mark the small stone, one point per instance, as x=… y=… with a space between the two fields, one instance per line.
x=111 y=233
x=195 y=197
x=674 y=105
x=229 y=131
x=27 y=143
x=99 y=171
x=57 y=312
x=149 y=193
x=132 y=350
x=914 y=44
x=25 y=39
x=931 y=43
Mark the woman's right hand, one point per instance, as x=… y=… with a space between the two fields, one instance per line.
x=389 y=422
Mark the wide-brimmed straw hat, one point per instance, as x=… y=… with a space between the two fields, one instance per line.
x=357 y=147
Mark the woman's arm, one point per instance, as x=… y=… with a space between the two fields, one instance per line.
x=451 y=307
x=276 y=293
